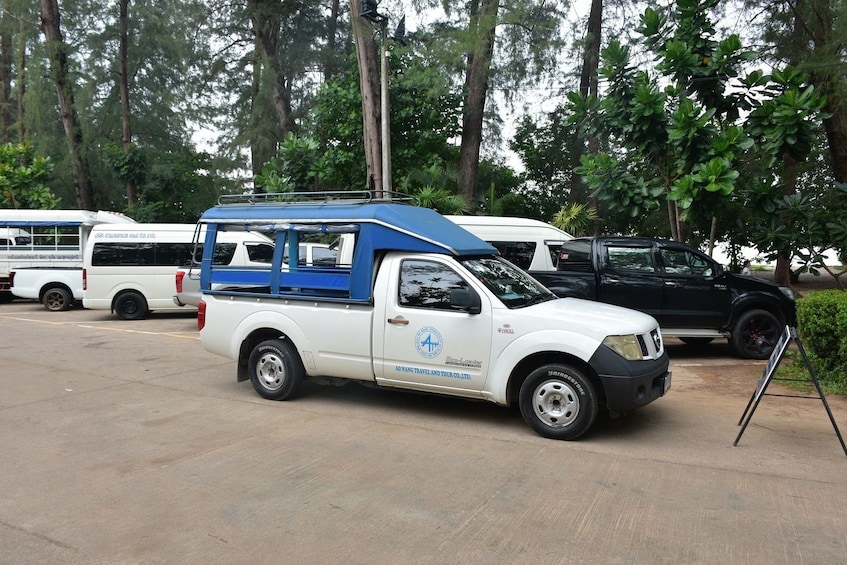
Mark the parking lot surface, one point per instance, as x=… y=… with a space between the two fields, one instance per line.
x=126 y=442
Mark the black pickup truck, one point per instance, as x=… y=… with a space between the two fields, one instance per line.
x=692 y=296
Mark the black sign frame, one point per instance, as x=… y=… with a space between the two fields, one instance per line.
x=788 y=336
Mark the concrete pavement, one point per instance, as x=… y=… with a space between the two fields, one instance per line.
x=125 y=442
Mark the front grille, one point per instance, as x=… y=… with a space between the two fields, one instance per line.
x=644 y=351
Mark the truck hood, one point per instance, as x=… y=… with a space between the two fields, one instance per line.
x=605 y=319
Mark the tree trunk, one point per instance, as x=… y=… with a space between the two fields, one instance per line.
x=6 y=115
x=266 y=25
x=22 y=35
x=782 y=270
x=330 y=63
x=366 y=55
x=827 y=74
x=123 y=87
x=59 y=68
x=587 y=86
x=483 y=24
x=836 y=129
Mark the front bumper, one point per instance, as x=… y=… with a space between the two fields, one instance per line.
x=630 y=384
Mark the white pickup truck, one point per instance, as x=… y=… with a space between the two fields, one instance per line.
x=420 y=304
x=56 y=288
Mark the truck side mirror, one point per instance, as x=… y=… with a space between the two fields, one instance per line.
x=467 y=300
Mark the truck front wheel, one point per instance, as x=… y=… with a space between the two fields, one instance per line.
x=275 y=370
x=755 y=334
x=558 y=402
x=57 y=299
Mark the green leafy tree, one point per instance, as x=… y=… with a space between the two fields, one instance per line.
x=424 y=117
x=23 y=178
x=686 y=141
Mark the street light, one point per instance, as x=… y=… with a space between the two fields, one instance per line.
x=368 y=10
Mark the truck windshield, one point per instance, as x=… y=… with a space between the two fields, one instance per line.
x=513 y=287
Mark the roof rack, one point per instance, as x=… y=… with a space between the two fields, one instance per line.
x=320 y=197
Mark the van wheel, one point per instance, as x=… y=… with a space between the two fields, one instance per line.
x=57 y=299
x=755 y=334
x=558 y=402
x=276 y=370
x=130 y=306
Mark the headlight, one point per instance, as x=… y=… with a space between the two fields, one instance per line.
x=626 y=346
x=787 y=292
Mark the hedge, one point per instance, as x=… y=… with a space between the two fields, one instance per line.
x=822 y=325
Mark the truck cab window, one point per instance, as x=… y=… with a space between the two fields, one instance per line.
x=427 y=284
x=683 y=262
x=630 y=258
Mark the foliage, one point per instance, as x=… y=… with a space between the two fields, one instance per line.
x=297 y=167
x=23 y=177
x=822 y=324
x=434 y=187
x=425 y=111
x=176 y=187
x=689 y=140
x=575 y=218
x=680 y=140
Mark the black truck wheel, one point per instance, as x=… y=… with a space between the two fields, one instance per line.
x=755 y=334
x=276 y=370
x=558 y=402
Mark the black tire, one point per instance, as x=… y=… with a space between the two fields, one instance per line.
x=130 y=305
x=696 y=341
x=276 y=370
x=6 y=297
x=755 y=334
x=558 y=402
x=57 y=299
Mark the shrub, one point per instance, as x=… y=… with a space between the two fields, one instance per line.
x=822 y=325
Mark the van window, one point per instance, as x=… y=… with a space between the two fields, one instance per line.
x=260 y=252
x=324 y=256
x=520 y=253
x=147 y=254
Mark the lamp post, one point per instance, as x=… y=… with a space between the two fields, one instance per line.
x=368 y=10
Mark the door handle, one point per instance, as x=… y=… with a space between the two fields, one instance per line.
x=670 y=283
x=612 y=281
x=398 y=321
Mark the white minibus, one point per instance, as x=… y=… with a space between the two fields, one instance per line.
x=130 y=270
x=532 y=245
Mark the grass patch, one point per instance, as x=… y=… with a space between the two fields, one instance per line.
x=794 y=369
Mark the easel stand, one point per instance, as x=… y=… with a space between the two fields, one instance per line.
x=768 y=375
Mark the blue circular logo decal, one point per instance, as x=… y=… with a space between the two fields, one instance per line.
x=428 y=342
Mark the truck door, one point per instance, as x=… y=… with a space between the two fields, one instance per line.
x=629 y=277
x=420 y=341
x=694 y=297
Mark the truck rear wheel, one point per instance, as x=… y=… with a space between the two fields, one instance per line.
x=558 y=402
x=276 y=370
x=57 y=299
x=130 y=306
x=755 y=334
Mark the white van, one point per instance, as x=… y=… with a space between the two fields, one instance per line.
x=130 y=270
x=532 y=245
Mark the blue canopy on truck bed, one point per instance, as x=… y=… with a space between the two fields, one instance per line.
x=393 y=226
x=379 y=226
